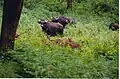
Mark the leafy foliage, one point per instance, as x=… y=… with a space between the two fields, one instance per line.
x=35 y=56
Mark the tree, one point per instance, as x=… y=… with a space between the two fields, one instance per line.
x=11 y=15
x=69 y=4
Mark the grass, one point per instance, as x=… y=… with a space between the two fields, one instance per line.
x=96 y=58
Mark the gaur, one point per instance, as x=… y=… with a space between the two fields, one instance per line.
x=62 y=20
x=114 y=26
x=51 y=28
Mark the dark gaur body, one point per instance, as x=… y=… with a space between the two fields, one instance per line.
x=62 y=20
x=51 y=28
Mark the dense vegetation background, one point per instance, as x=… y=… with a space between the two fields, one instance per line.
x=35 y=56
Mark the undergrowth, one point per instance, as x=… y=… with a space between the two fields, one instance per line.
x=36 y=56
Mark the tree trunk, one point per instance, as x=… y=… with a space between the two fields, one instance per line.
x=69 y=4
x=11 y=15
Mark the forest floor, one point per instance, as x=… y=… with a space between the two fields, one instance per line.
x=36 y=56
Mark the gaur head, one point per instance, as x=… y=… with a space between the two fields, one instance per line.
x=43 y=24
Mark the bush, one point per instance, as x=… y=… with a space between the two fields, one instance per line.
x=9 y=70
